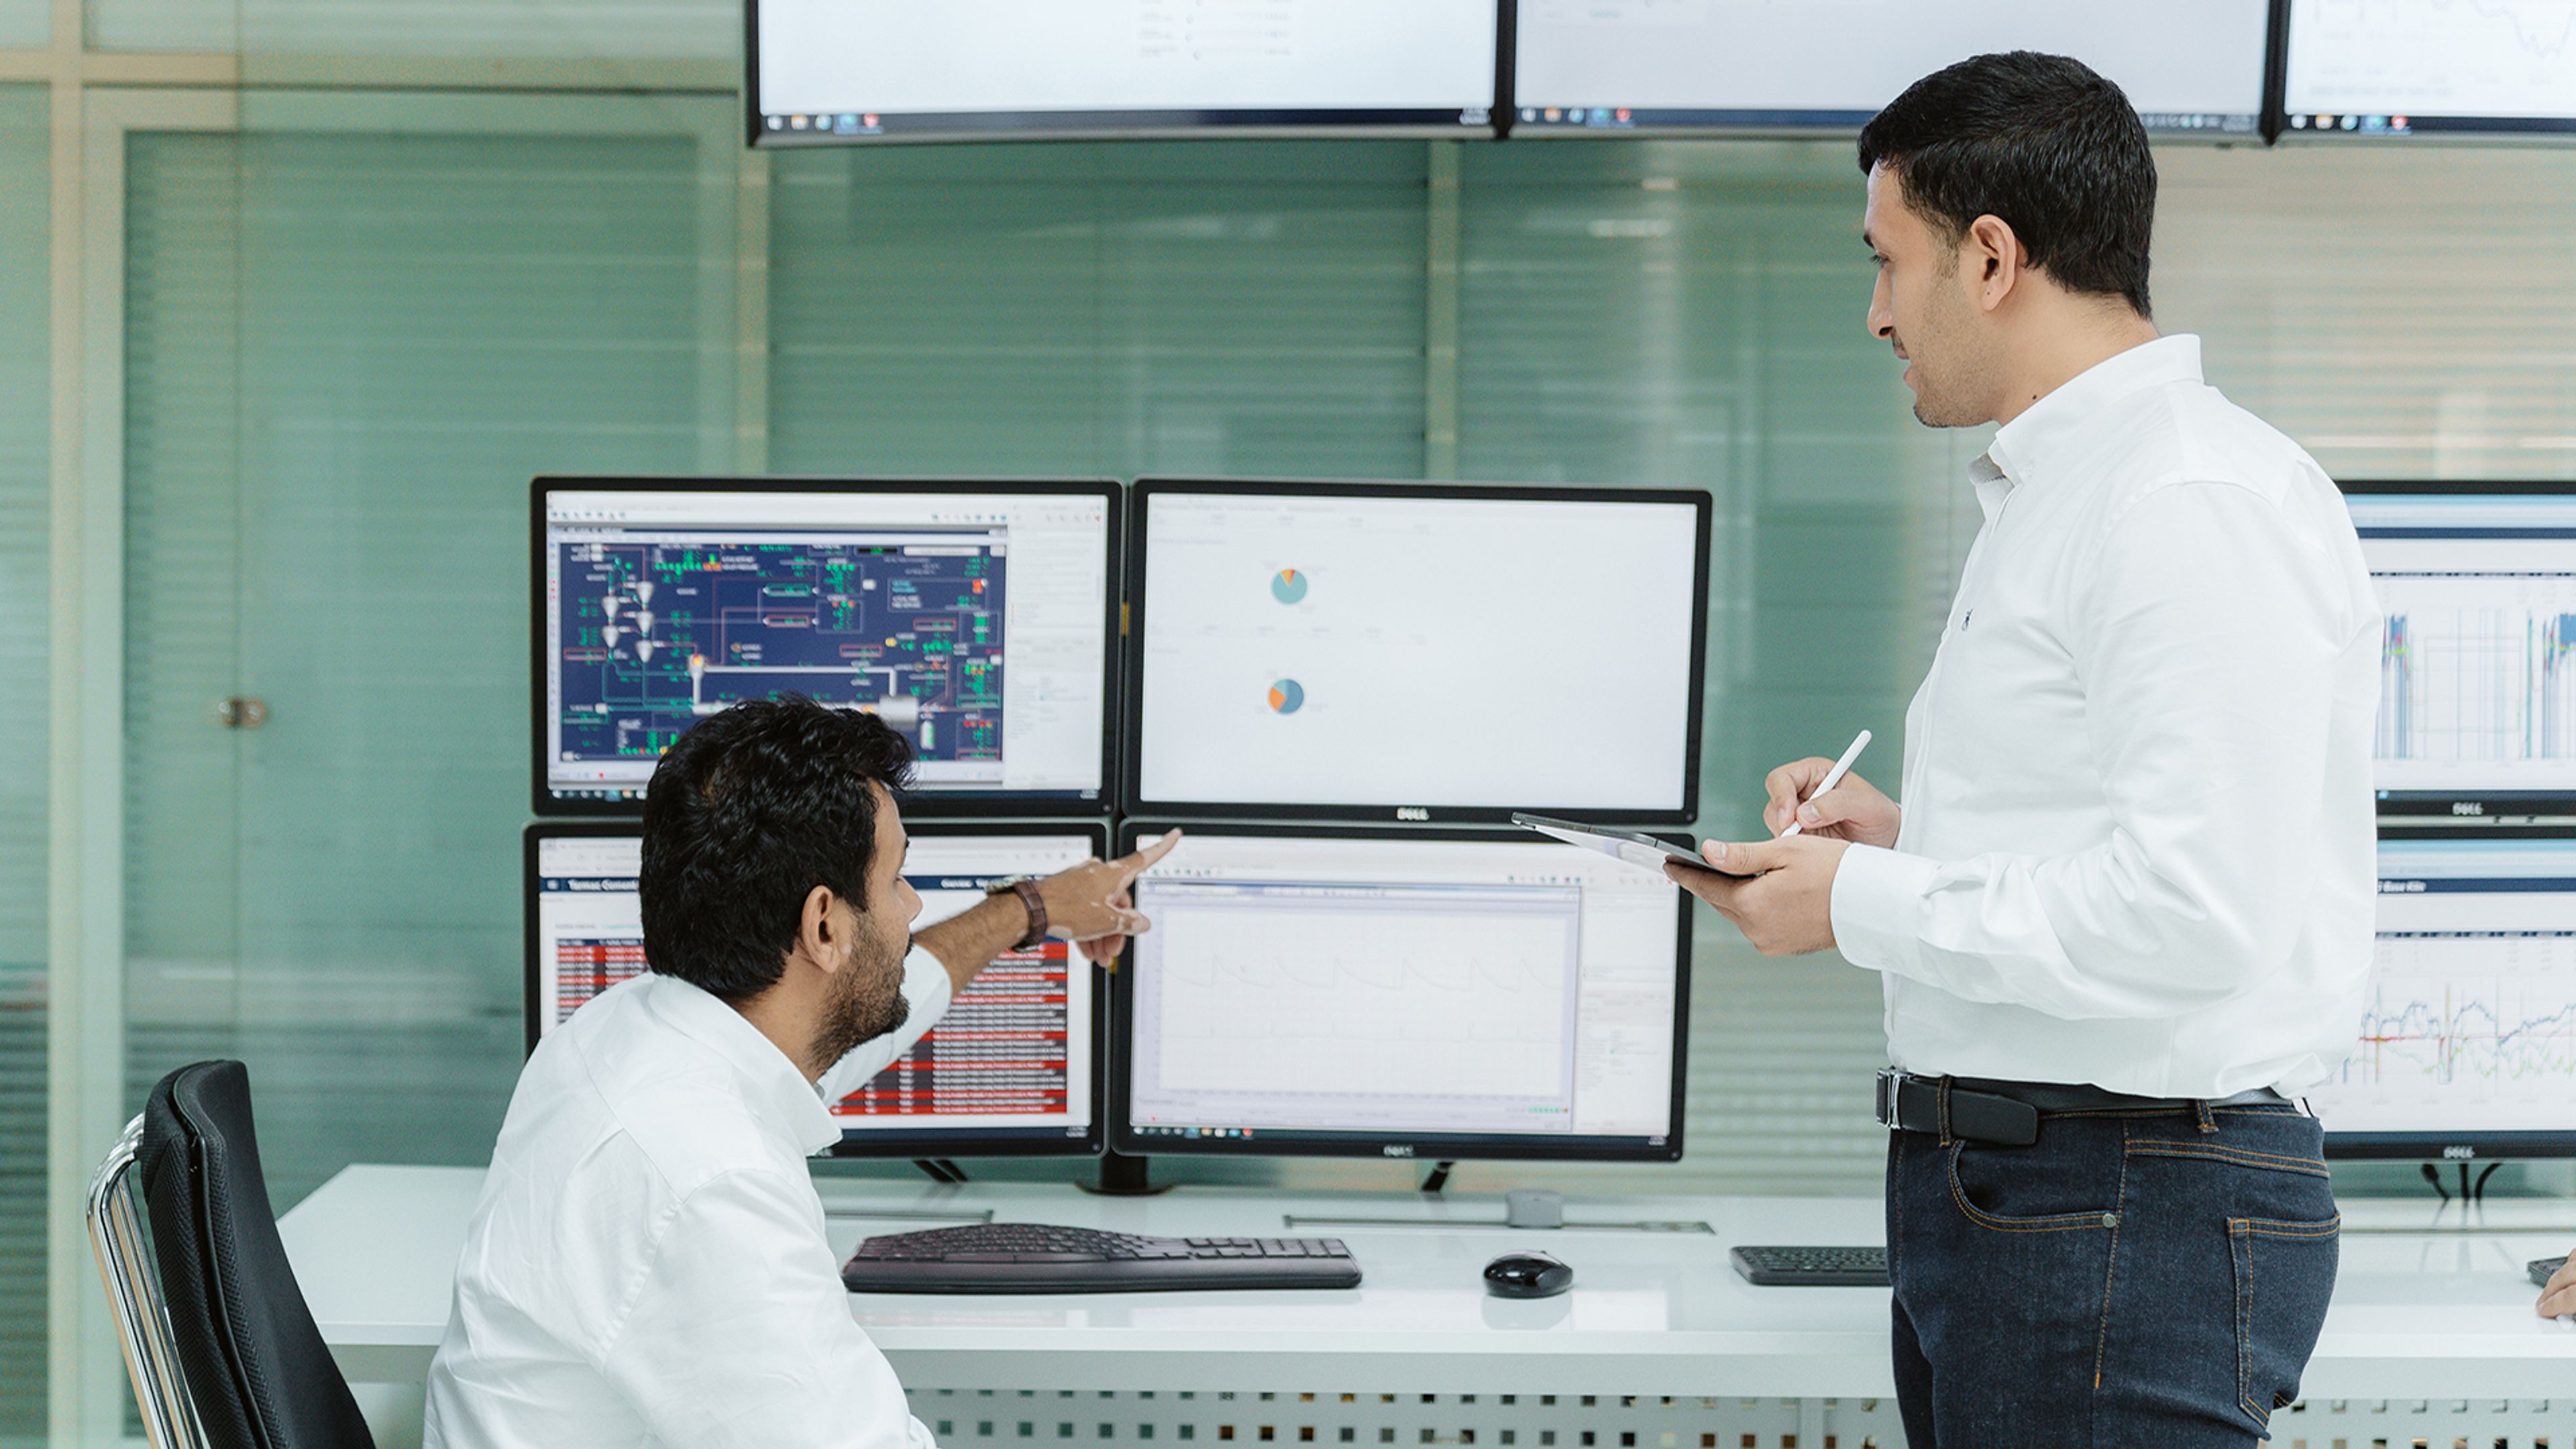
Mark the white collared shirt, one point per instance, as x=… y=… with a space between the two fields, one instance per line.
x=647 y=1264
x=2137 y=839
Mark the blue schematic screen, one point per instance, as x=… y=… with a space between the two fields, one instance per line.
x=656 y=634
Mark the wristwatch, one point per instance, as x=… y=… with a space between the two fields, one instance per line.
x=1026 y=887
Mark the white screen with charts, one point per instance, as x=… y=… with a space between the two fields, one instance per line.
x=2477 y=672
x=1402 y=987
x=974 y=623
x=2385 y=65
x=872 y=59
x=2470 y=1023
x=1013 y=1050
x=2187 y=65
x=1323 y=650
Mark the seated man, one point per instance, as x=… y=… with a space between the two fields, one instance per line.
x=647 y=1264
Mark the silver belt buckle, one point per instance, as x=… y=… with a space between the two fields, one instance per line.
x=1888 y=1078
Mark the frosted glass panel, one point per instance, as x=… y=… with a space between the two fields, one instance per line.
x=1231 y=308
x=25 y=657
x=346 y=357
x=548 y=29
x=28 y=23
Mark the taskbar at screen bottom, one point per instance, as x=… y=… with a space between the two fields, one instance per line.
x=1610 y=120
x=631 y=797
x=1158 y=1139
x=790 y=128
x=1056 y=1141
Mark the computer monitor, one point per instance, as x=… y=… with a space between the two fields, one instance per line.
x=2467 y=1043
x=977 y=618
x=823 y=72
x=2477 y=586
x=1417 y=653
x=1452 y=993
x=2193 y=68
x=2394 y=70
x=1012 y=1069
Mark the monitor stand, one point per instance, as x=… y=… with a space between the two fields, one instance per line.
x=1124 y=1176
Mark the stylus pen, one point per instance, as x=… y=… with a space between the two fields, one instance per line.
x=1833 y=776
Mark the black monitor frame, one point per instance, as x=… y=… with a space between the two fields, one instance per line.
x=1660 y=122
x=920 y=127
x=2457 y=1146
x=1415 y=812
x=921 y=804
x=1441 y=1147
x=2493 y=806
x=874 y=1142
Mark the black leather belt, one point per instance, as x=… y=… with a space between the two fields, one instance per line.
x=2007 y=1113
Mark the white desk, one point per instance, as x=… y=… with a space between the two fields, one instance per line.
x=2417 y=1316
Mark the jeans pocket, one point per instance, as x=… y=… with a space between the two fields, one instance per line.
x=2002 y=1205
x=2285 y=1273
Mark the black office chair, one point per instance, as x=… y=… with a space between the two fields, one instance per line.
x=253 y=1372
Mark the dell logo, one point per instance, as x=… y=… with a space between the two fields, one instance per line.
x=1398 y=1150
x=2458 y=1154
x=2468 y=807
x=1411 y=812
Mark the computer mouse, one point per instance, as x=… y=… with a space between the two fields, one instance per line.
x=1527 y=1275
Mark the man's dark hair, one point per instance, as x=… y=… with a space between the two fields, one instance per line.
x=2040 y=141
x=751 y=810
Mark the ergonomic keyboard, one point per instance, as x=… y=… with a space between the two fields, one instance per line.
x=1040 y=1258
x=1847 y=1267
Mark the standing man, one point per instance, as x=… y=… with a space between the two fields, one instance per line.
x=2126 y=905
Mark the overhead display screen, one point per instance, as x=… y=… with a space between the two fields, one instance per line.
x=2191 y=67
x=826 y=71
x=1385 y=652
x=2396 y=68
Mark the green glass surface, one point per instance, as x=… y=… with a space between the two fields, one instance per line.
x=346 y=356
x=377 y=29
x=25 y=659
x=1088 y=309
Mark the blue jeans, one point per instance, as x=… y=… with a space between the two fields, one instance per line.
x=2132 y=1279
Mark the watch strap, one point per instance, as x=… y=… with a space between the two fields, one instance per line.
x=1027 y=891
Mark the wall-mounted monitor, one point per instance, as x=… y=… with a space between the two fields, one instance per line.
x=2193 y=68
x=2397 y=69
x=2477 y=676
x=2467 y=1038
x=1414 y=652
x=977 y=618
x=1354 y=991
x=1014 y=1067
x=825 y=72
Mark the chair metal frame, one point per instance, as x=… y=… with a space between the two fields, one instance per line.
x=133 y=1282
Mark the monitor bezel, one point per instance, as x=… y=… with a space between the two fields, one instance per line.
x=2455 y=1146
x=917 y=804
x=1811 y=124
x=877 y=1144
x=1435 y=1147
x=926 y=128
x=1412 y=812
x=2499 y=808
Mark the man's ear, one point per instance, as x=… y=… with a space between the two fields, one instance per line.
x=1993 y=256
x=817 y=936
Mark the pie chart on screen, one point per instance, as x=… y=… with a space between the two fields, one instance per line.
x=1286 y=696
x=1288 y=586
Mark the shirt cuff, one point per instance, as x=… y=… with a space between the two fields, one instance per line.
x=925 y=992
x=1878 y=907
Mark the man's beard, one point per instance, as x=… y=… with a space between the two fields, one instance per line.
x=865 y=1005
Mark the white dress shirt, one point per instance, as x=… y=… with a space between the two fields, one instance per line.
x=2137 y=839
x=647 y=1264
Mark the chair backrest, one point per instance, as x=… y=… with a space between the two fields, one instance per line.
x=258 y=1372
